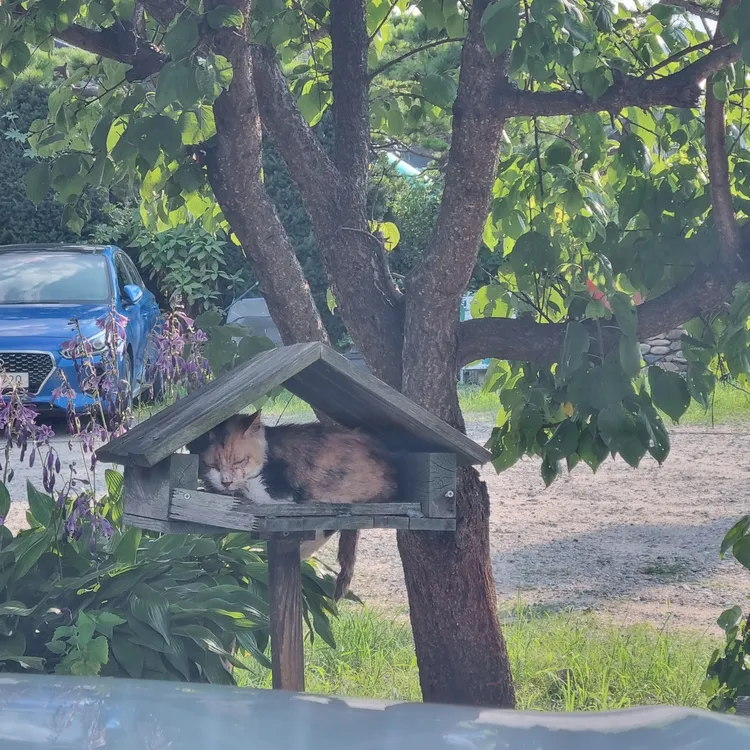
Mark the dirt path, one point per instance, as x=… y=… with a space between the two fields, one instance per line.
x=634 y=543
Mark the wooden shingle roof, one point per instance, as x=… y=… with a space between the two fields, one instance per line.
x=316 y=374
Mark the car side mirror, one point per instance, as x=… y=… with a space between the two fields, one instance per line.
x=133 y=293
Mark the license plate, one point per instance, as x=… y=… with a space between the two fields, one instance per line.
x=14 y=379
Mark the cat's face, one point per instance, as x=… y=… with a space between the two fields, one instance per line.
x=235 y=453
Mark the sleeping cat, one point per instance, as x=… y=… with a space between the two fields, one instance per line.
x=301 y=463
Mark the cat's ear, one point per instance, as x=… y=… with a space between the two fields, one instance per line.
x=253 y=423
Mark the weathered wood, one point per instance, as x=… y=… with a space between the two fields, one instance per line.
x=333 y=523
x=174 y=427
x=147 y=491
x=432 y=524
x=390 y=522
x=170 y=527
x=186 y=500
x=320 y=376
x=285 y=588
x=430 y=480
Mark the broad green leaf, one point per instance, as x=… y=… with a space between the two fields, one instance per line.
x=86 y=626
x=550 y=470
x=574 y=350
x=106 y=622
x=558 y=153
x=741 y=551
x=98 y=650
x=313 y=103
x=129 y=655
x=592 y=449
x=101 y=132
x=596 y=82
x=38 y=181
x=181 y=38
x=154 y=612
x=127 y=548
x=563 y=442
x=630 y=355
x=40 y=505
x=619 y=431
x=669 y=392
x=439 y=89
x=176 y=82
x=225 y=17
x=739 y=530
x=32 y=547
x=729 y=619
x=500 y=24
x=4 y=502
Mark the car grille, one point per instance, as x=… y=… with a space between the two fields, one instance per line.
x=38 y=364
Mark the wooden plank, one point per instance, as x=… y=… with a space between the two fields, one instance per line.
x=390 y=522
x=432 y=524
x=147 y=491
x=430 y=480
x=186 y=500
x=334 y=523
x=229 y=514
x=285 y=588
x=154 y=439
x=170 y=527
x=355 y=398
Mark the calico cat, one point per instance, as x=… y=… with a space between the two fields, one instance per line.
x=300 y=463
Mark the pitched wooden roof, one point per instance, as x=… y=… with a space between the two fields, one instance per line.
x=319 y=376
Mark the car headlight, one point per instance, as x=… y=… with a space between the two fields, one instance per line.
x=78 y=349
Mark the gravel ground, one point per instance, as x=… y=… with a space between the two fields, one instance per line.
x=636 y=544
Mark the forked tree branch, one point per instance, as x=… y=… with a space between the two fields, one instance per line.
x=423 y=48
x=693 y=7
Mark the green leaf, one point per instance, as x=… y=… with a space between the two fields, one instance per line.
x=176 y=82
x=154 y=612
x=729 y=619
x=330 y=300
x=100 y=133
x=106 y=622
x=739 y=530
x=124 y=9
x=574 y=350
x=38 y=180
x=530 y=422
x=72 y=220
x=550 y=470
x=500 y=24
x=225 y=17
x=15 y=56
x=619 y=431
x=127 y=548
x=596 y=82
x=40 y=505
x=630 y=355
x=86 y=626
x=129 y=656
x=312 y=104
x=32 y=547
x=600 y=387
x=4 y=502
x=558 y=153
x=700 y=383
x=669 y=392
x=182 y=38
x=563 y=442
x=741 y=551
x=440 y=90
x=98 y=650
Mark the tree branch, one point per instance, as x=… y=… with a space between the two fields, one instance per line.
x=117 y=43
x=693 y=7
x=396 y=60
x=524 y=339
x=680 y=89
x=718 y=168
x=435 y=286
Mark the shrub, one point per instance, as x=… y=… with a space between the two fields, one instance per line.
x=728 y=675
x=80 y=594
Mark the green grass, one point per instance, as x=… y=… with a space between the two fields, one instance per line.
x=560 y=662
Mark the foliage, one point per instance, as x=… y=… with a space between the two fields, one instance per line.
x=80 y=593
x=562 y=661
x=190 y=262
x=21 y=220
x=728 y=676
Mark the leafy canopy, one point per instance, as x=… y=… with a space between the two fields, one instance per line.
x=592 y=213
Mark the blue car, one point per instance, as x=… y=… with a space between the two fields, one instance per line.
x=42 y=289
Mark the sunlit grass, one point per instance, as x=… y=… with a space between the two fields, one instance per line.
x=560 y=661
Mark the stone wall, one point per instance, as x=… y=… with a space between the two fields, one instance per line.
x=665 y=351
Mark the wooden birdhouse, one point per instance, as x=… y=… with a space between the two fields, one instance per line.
x=161 y=484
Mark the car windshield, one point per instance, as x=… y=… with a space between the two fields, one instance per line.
x=30 y=277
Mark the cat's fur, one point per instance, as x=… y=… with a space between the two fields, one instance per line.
x=301 y=463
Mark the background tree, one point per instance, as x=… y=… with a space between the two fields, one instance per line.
x=582 y=149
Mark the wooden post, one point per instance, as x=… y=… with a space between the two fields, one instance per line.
x=285 y=588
